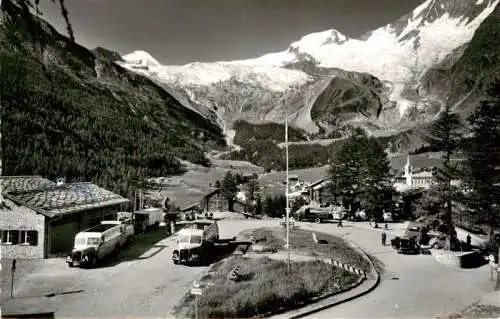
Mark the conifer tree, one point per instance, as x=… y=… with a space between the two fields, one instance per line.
x=361 y=170
x=445 y=134
x=229 y=189
x=482 y=151
x=252 y=193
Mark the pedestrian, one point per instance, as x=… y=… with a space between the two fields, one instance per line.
x=340 y=223
x=384 y=237
x=491 y=259
x=468 y=239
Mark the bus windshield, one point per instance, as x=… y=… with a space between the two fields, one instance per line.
x=93 y=241
x=184 y=239
x=195 y=239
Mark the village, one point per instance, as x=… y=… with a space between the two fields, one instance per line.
x=40 y=218
x=57 y=221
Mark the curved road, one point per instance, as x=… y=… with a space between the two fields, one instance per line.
x=410 y=286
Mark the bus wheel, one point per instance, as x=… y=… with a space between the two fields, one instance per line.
x=94 y=260
x=176 y=257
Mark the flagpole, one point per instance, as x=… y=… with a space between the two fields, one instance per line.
x=287 y=209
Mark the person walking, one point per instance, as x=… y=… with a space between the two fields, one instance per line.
x=384 y=237
x=491 y=259
x=468 y=239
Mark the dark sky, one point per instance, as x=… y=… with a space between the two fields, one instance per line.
x=183 y=31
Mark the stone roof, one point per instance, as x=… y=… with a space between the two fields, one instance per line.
x=24 y=183
x=318 y=182
x=52 y=200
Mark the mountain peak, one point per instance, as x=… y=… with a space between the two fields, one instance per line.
x=141 y=58
x=320 y=38
x=463 y=13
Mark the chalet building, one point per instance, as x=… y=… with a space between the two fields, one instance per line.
x=39 y=218
x=215 y=201
x=317 y=191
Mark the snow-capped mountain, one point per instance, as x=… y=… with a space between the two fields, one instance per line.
x=141 y=59
x=397 y=55
x=273 y=78
x=395 y=52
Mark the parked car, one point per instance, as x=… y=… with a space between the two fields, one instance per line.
x=437 y=239
x=413 y=230
x=387 y=217
x=318 y=215
x=408 y=246
x=360 y=215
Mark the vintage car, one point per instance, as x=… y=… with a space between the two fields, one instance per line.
x=408 y=246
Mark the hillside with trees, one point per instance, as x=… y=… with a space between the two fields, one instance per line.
x=69 y=113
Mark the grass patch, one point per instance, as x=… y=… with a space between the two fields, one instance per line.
x=265 y=287
x=478 y=311
x=302 y=240
x=141 y=244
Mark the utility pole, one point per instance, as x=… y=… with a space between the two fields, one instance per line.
x=12 y=271
x=287 y=209
x=497 y=287
x=135 y=200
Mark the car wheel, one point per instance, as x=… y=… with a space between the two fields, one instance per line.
x=70 y=264
x=318 y=220
x=94 y=260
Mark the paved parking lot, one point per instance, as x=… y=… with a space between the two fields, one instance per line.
x=145 y=287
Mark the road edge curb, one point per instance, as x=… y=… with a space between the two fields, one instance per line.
x=341 y=301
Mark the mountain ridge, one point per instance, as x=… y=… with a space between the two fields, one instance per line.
x=389 y=62
x=68 y=111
